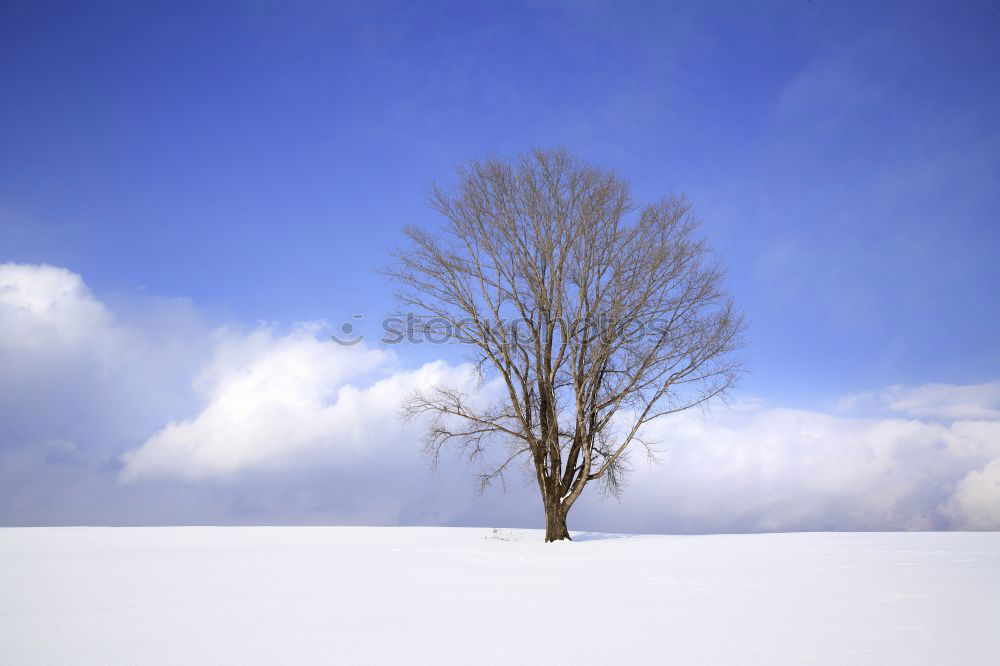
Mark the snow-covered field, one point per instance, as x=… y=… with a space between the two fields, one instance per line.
x=345 y=595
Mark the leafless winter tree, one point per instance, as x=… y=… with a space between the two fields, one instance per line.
x=595 y=315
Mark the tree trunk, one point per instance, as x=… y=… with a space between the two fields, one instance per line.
x=555 y=523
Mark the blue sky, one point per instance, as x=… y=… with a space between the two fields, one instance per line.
x=257 y=160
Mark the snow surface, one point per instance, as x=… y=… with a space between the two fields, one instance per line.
x=357 y=595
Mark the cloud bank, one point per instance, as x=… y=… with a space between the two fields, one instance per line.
x=275 y=403
x=148 y=414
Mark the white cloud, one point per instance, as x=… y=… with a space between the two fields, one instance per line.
x=45 y=309
x=936 y=402
x=764 y=468
x=975 y=505
x=79 y=382
x=286 y=426
x=946 y=401
x=272 y=402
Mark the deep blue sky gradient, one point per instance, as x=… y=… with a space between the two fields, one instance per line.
x=260 y=158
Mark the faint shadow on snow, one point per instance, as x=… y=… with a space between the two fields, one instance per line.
x=600 y=536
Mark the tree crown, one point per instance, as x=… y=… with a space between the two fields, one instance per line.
x=597 y=316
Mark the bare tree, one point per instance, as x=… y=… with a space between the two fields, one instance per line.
x=596 y=316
